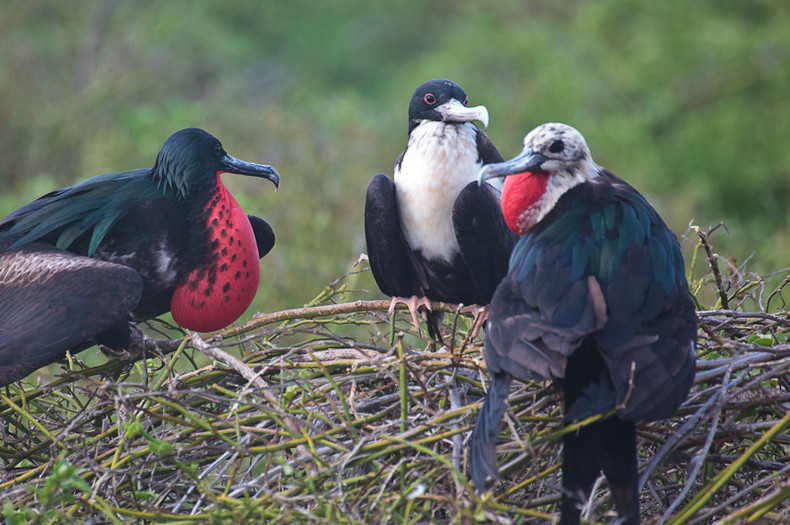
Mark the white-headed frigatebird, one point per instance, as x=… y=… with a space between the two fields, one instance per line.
x=596 y=300
x=79 y=265
x=433 y=233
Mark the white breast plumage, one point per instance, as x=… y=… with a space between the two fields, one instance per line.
x=440 y=160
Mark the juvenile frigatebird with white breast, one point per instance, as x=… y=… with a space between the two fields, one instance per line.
x=433 y=233
x=595 y=299
x=79 y=265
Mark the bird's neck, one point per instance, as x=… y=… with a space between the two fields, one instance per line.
x=522 y=195
x=528 y=197
x=216 y=293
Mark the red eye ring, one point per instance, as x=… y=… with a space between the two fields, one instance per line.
x=466 y=99
x=429 y=99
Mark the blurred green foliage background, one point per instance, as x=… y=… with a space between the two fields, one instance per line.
x=688 y=101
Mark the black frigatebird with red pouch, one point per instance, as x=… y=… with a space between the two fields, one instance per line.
x=82 y=264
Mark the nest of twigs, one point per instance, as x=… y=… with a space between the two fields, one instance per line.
x=338 y=413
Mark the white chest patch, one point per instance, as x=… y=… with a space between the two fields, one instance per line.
x=556 y=188
x=165 y=264
x=161 y=263
x=440 y=160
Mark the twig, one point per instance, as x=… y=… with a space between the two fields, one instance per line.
x=714 y=266
x=323 y=311
x=679 y=435
x=225 y=358
x=725 y=474
x=699 y=459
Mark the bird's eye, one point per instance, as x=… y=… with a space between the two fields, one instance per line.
x=466 y=99
x=429 y=99
x=218 y=150
x=557 y=146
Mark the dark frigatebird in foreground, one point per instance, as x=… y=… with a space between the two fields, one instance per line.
x=433 y=233
x=596 y=300
x=80 y=263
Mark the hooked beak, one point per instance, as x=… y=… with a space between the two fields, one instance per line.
x=233 y=165
x=524 y=162
x=454 y=111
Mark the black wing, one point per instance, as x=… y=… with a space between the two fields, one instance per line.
x=52 y=301
x=600 y=268
x=390 y=263
x=264 y=235
x=487 y=152
x=526 y=337
x=484 y=240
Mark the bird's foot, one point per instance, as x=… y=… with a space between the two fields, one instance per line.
x=479 y=313
x=127 y=346
x=140 y=342
x=121 y=354
x=413 y=303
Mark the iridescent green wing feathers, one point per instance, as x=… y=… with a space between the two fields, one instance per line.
x=613 y=222
x=94 y=204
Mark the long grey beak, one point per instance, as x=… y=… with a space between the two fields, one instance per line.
x=521 y=163
x=454 y=111
x=241 y=167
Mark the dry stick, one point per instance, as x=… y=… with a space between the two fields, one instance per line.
x=758 y=508
x=247 y=373
x=741 y=497
x=205 y=472
x=699 y=460
x=404 y=403
x=588 y=506
x=677 y=437
x=371 y=306
x=362 y=442
x=778 y=369
x=226 y=457
x=235 y=363
x=778 y=292
x=714 y=266
x=170 y=345
x=740 y=363
x=753 y=464
x=322 y=311
x=745 y=316
x=458 y=439
x=707 y=492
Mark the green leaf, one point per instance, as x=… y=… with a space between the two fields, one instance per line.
x=761 y=339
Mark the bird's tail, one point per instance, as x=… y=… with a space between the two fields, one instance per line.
x=482 y=443
x=433 y=320
x=608 y=445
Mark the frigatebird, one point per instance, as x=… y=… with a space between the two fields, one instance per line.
x=81 y=264
x=433 y=233
x=596 y=300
